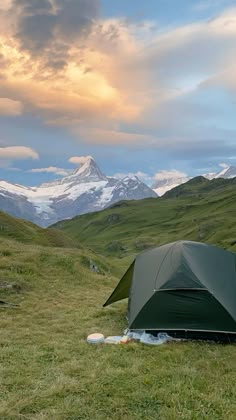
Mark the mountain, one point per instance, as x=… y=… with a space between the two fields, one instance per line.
x=87 y=189
x=227 y=172
x=173 y=179
x=199 y=210
x=161 y=186
x=201 y=186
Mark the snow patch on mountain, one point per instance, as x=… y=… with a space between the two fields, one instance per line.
x=166 y=180
x=227 y=172
x=84 y=190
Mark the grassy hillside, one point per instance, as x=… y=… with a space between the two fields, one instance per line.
x=202 y=186
x=48 y=371
x=27 y=232
x=205 y=212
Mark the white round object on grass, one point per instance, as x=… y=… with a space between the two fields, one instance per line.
x=95 y=338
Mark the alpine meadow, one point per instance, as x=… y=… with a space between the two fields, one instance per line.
x=117 y=210
x=48 y=369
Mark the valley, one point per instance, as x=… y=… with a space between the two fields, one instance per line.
x=47 y=368
x=200 y=210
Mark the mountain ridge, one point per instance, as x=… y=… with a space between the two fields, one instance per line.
x=204 y=212
x=173 y=179
x=86 y=189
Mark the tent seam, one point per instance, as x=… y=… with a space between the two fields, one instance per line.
x=169 y=250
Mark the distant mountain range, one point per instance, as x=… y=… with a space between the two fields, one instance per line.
x=86 y=190
x=168 y=183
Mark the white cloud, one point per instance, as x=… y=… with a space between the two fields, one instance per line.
x=167 y=175
x=157 y=177
x=79 y=160
x=8 y=107
x=224 y=165
x=164 y=181
x=52 y=170
x=17 y=153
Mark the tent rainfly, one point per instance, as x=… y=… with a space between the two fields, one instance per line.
x=181 y=286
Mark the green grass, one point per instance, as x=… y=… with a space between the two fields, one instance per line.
x=24 y=231
x=49 y=372
x=200 y=185
x=203 y=214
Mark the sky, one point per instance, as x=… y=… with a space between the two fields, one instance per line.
x=145 y=88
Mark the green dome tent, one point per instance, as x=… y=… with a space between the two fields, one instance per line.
x=181 y=286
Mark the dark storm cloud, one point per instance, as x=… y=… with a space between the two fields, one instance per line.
x=49 y=26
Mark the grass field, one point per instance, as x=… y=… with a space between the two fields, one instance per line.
x=128 y=228
x=49 y=372
x=27 y=232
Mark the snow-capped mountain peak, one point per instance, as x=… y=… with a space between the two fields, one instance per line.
x=89 y=170
x=165 y=181
x=227 y=172
x=85 y=190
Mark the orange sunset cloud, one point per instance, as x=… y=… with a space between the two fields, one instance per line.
x=79 y=81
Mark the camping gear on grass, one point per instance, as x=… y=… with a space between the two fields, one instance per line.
x=118 y=339
x=140 y=336
x=113 y=339
x=125 y=339
x=147 y=338
x=95 y=338
x=183 y=287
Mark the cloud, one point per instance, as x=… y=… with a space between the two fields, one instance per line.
x=224 y=165
x=51 y=170
x=183 y=46
x=17 y=153
x=5 y=5
x=111 y=136
x=166 y=175
x=44 y=24
x=113 y=82
x=79 y=160
x=64 y=63
x=157 y=178
x=9 y=107
x=200 y=6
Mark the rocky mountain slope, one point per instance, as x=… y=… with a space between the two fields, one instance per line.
x=86 y=190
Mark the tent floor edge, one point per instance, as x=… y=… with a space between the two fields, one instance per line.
x=211 y=336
